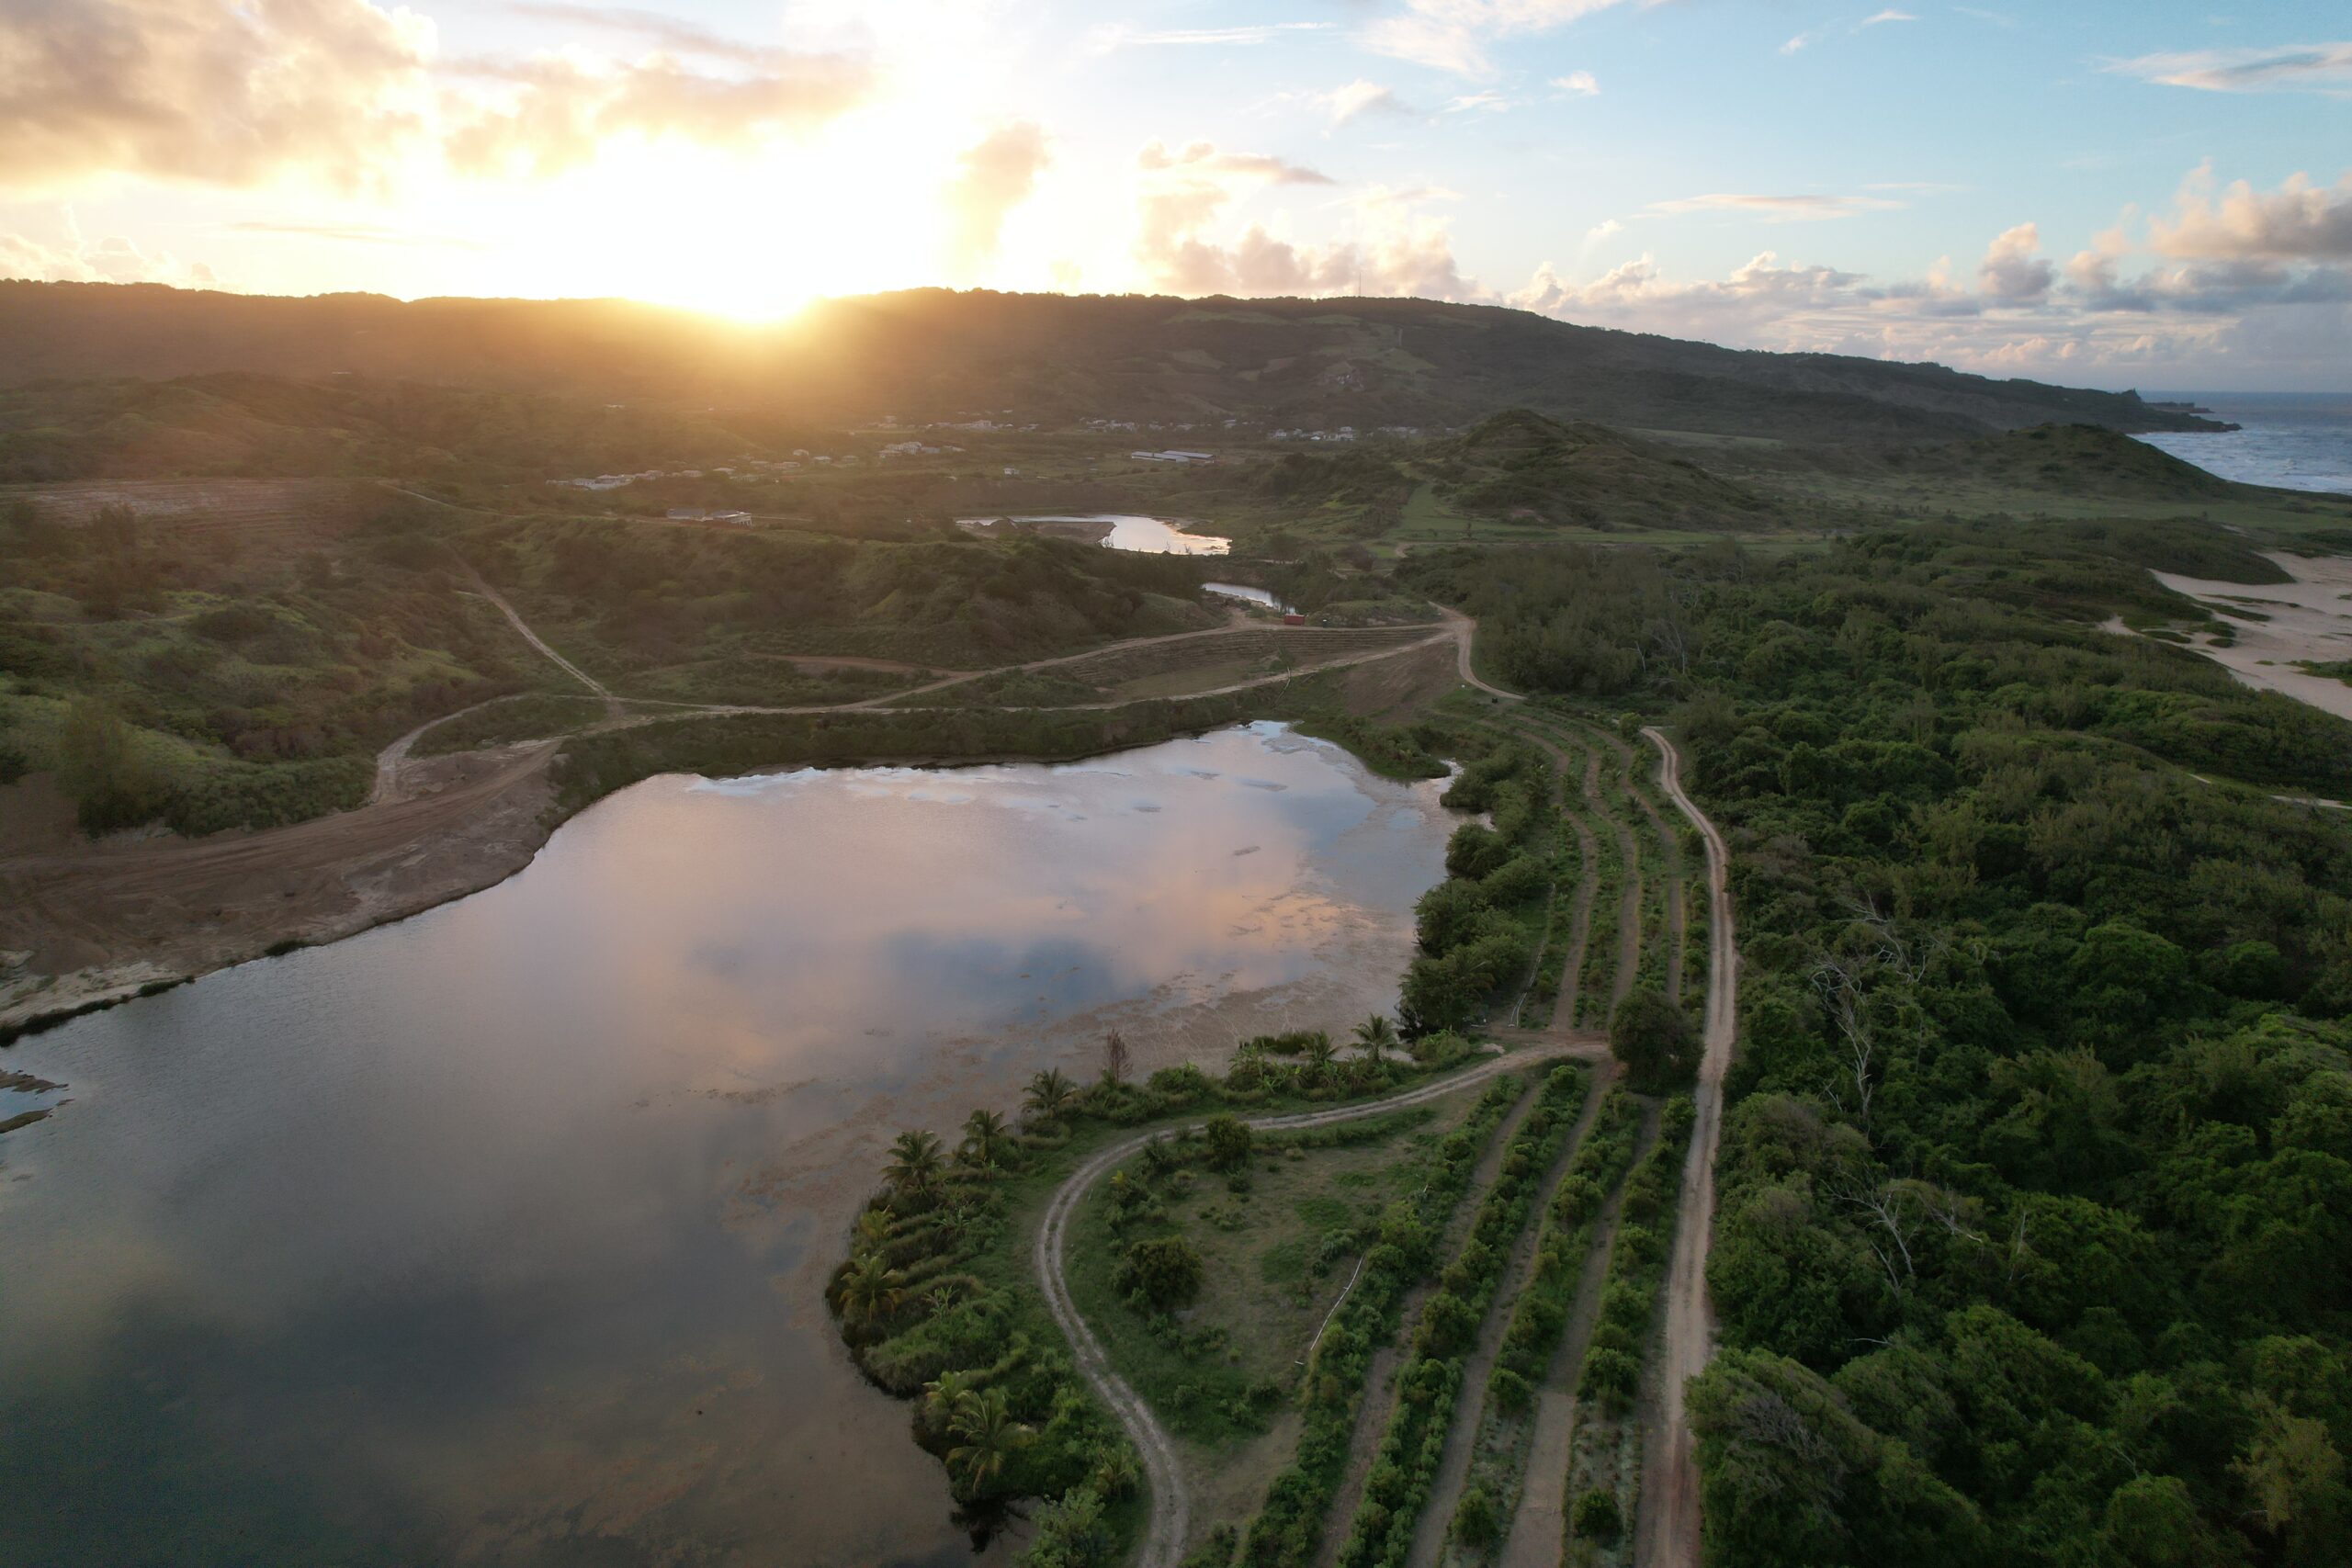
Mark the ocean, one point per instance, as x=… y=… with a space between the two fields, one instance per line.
x=2294 y=440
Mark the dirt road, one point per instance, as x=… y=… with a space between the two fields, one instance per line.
x=1667 y=1530
x=1465 y=632
x=1171 y=1507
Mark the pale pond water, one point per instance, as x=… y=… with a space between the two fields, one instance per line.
x=498 y=1235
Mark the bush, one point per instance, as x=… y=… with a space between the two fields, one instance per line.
x=1166 y=1273
x=1478 y=1522
x=1653 y=1038
x=1595 y=1515
x=1229 y=1144
x=1513 y=1393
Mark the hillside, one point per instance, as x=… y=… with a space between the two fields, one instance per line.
x=1518 y=466
x=932 y=353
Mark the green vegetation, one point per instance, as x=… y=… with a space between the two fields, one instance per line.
x=1287 y=1529
x=1604 y=1450
x=2031 y=1234
x=1430 y=1383
x=1538 y=1316
x=1478 y=929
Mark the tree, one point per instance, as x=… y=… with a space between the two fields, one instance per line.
x=100 y=766
x=914 y=1161
x=947 y=1396
x=985 y=1137
x=1050 y=1095
x=1318 y=1056
x=1166 y=1273
x=1376 y=1036
x=1115 y=1058
x=1230 y=1143
x=991 y=1436
x=1653 y=1038
x=871 y=1291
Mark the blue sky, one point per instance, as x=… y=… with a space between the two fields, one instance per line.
x=2101 y=192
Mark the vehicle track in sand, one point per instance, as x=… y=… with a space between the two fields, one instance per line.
x=1666 y=1522
x=1169 y=1519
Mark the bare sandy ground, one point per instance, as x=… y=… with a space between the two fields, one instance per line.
x=1667 y=1530
x=2308 y=619
x=86 y=923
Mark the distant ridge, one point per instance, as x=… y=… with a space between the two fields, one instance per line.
x=929 y=353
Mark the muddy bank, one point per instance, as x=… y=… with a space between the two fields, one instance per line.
x=84 y=925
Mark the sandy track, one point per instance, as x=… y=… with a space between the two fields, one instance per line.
x=1463 y=629
x=1170 y=1516
x=1667 y=1527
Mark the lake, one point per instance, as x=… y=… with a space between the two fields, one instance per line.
x=498 y=1235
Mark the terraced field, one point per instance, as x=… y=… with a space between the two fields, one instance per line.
x=1513 y=1409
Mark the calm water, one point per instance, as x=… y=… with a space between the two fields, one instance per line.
x=2294 y=440
x=498 y=1235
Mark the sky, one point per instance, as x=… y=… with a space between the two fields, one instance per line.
x=2101 y=192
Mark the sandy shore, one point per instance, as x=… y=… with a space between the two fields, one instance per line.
x=2308 y=620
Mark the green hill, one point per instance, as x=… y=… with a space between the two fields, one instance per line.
x=1520 y=466
x=931 y=354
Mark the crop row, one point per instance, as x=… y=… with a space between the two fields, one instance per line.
x=1288 y=1528
x=1507 y=1425
x=1430 y=1384
x=1604 y=1468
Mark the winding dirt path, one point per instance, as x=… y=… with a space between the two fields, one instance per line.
x=1463 y=629
x=1666 y=1528
x=1170 y=1516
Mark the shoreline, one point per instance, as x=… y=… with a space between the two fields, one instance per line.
x=486 y=849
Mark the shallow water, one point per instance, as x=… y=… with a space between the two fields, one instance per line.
x=498 y=1235
x=1243 y=591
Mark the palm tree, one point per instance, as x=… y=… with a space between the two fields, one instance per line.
x=1376 y=1036
x=1051 y=1094
x=991 y=1437
x=871 y=1291
x=873 y=1231
x=914 y=1161
x=1319 y=1055
x=984 y=1134
x=945 y=1397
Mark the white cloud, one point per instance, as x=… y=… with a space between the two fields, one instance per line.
x=1469 y=101
x=111 y=260
x=223 y=92
x=556 y=112
x=2315 y=68
x=2300 y=221
x=1120 y=36
x=1358 y=98
x=993 y=178
x=1454 y=35
x=2011 y=273
x=1203 y=158
x=1580 y=82
x=1889 y=15
x=1801 y=40
x=1775 y=208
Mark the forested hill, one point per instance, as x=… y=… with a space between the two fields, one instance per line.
x=931 y=354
